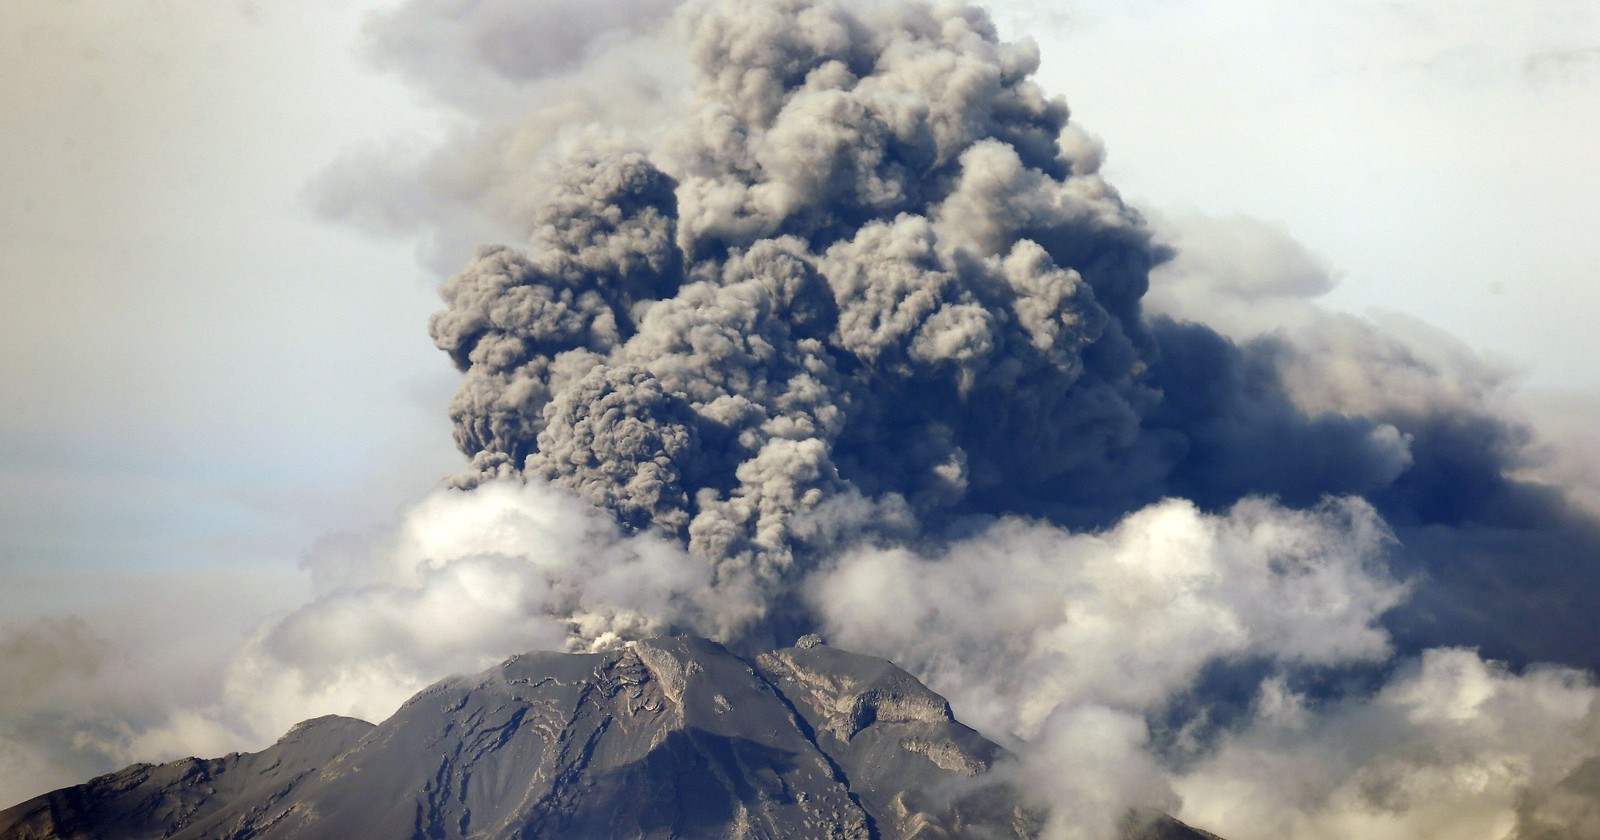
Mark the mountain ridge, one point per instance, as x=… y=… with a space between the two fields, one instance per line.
x=663 y=738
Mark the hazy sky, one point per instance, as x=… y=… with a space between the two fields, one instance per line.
x=197 y=371
x=1438 y=155
x=201 y=377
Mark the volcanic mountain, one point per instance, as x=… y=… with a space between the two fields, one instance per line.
x=666 y=738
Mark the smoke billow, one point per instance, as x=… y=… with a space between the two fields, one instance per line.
x=883 y=269
x=848 y=334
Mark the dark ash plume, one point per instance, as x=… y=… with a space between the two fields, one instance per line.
x=521 y=327
x=884 y=268
x=805 y=313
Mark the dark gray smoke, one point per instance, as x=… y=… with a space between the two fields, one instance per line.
x=875 y=284
x=878 y=278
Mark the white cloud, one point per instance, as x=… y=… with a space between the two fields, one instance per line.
x=1026 y=617
x=1068 y=640
x=1453 y=746
x=465 y=579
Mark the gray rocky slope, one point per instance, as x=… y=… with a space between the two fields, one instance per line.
x=666 y=738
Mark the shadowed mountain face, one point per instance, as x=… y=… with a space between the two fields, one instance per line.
x=667 y=738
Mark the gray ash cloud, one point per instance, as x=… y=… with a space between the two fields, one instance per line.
x=877 y=277
x=873 y=283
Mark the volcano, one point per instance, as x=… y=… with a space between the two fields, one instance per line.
x=666 y=738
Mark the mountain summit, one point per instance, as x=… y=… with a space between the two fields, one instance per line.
x=664 y=738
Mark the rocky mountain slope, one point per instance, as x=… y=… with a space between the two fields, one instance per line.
x=666 y=738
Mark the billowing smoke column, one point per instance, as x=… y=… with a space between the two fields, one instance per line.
x=884 y=291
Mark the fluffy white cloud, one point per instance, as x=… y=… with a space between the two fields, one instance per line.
x=1068 y=640
x=1453 y=746
x=1024 y=617
x=465 y=579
